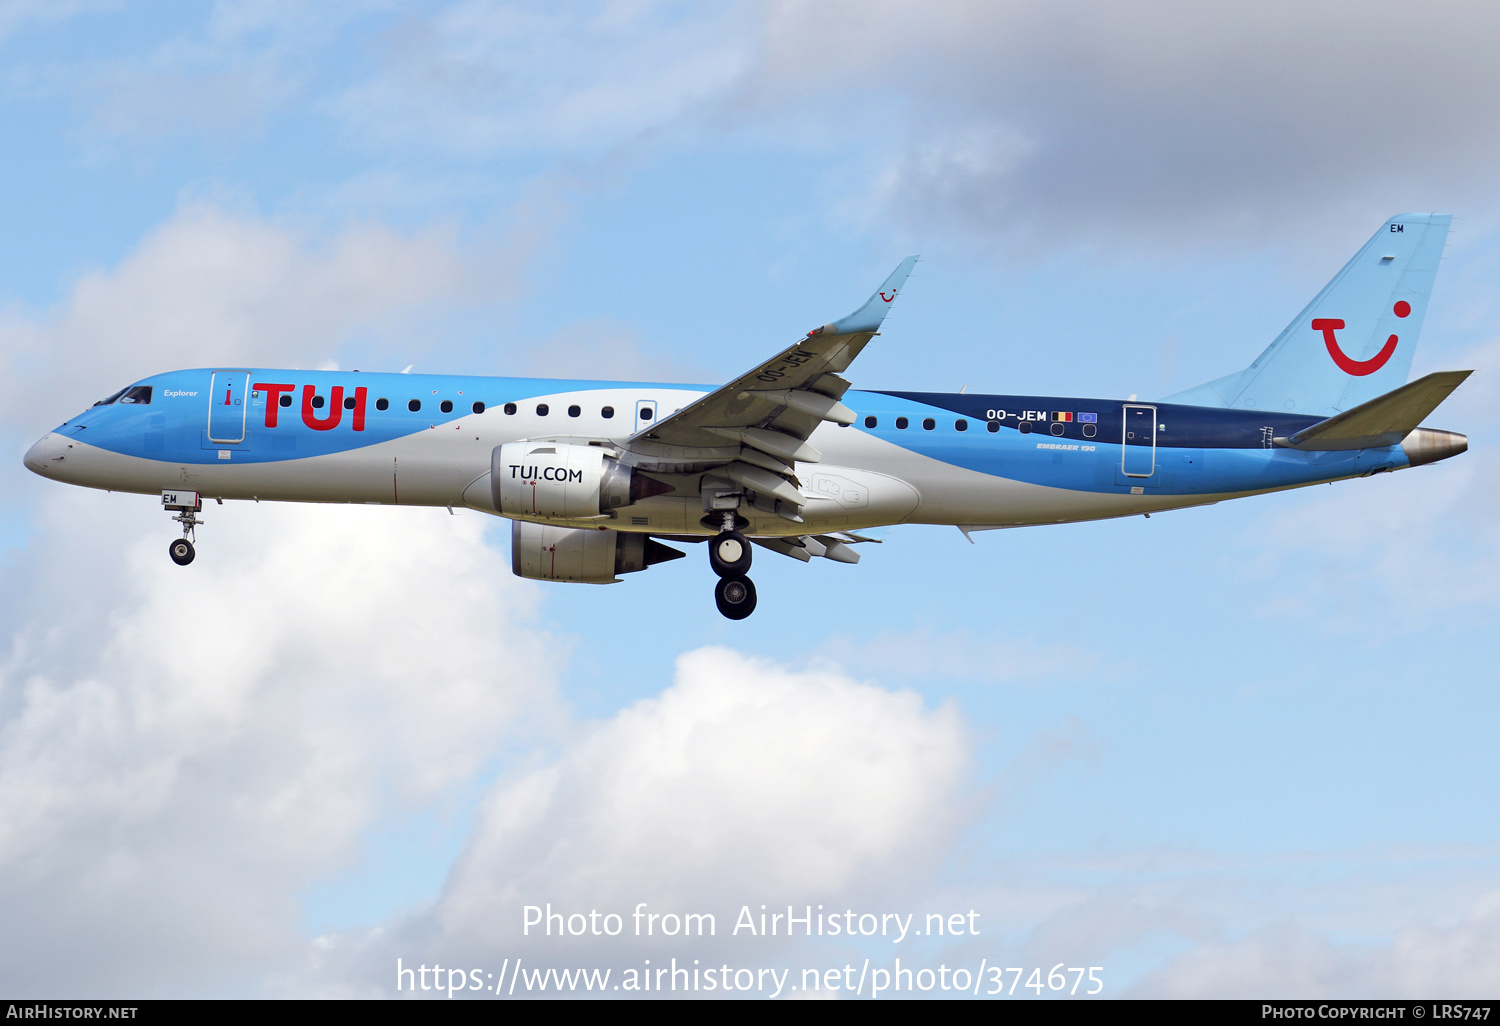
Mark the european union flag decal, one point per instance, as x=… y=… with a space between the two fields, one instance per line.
x=1088 y=418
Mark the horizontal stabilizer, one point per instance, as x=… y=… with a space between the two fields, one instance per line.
x=1384 y=420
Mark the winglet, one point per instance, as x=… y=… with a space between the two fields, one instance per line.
x=868 y=317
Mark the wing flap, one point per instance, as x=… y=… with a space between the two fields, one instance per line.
x=787 y=447
x=813 y=404
x=809 y=545
x=765 y=481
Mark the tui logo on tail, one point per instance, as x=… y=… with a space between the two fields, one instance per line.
x=1359 y=368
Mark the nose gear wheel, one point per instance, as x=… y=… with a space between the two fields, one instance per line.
x=187 y=506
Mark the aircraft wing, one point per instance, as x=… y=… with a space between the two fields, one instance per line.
x=757 y=426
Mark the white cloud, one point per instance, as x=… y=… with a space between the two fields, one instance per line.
x=1289 y=961
x=478 y=77
x=743 y=781
x=1162 y=121
x=183 y=750
x=1153 y=120
x=214 y=287
x=1166 y=921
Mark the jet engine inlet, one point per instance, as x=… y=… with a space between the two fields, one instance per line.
x=564 y=480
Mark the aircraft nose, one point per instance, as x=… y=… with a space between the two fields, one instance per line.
x=47 y=454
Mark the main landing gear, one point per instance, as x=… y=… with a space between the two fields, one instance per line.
x=187 y=505
x=729 y=555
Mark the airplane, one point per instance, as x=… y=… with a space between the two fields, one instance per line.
x=597 y=477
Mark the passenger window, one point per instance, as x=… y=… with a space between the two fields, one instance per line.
x=349 y=402
x=414 y=405
x=928 y=424
x=870 y=422
x=647 y=413
x=380 y=404
x=993 y=426
x=286 y=400
x=510 y=409
x=574 y=411
x=446 y=405
x=479 y=407
x=139 y=394
x=318 y=402
x=901 y=423
x=607 y=413
x=960 y=425
x=542 y=409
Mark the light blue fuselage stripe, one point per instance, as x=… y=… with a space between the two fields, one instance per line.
x=1238 y=455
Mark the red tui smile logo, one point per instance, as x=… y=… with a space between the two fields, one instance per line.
x=1358 y=368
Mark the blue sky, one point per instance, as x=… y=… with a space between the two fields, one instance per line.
x=1243 y=749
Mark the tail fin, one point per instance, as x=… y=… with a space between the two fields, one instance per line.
x=1354 y=341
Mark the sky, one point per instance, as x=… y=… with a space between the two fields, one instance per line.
x=1240 y=750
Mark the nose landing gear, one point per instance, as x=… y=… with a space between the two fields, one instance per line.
x=188 y=505
x=729 y=556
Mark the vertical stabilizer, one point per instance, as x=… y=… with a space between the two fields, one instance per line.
x=1355 y=340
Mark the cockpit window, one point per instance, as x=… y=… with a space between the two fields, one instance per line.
x=139 y=395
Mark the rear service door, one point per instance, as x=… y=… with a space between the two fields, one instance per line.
x=227 y=398
x=1138 y=441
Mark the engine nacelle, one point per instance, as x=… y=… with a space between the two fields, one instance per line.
x=563 y=480
x=546 y=553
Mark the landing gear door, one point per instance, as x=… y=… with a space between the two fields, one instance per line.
x=1138 y=441
x=228 y=397
x=645 y=414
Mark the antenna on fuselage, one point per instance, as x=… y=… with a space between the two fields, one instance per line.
x=408 y=368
